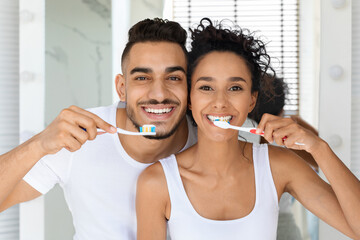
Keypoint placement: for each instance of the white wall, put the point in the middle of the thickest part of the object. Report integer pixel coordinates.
(9, 101)
(335, 94)
(32, 85)
(355, 103)
(78, 54)
(141, 9)
(78, 72)
(309, 64)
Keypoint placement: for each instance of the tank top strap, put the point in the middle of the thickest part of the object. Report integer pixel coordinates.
(173, 180)
(263, 176)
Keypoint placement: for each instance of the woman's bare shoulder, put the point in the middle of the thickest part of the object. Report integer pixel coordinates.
(152, 177)
(282, 156)
(287, 166)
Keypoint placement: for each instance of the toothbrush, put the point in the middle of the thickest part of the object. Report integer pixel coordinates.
(226, 125)
(145, 130)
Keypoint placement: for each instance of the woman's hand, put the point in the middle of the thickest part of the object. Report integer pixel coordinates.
(287, 132)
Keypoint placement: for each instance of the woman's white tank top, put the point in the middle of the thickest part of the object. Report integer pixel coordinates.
(260, 224)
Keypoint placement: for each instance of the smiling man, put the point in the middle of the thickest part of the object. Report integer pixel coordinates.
(154, 85)
(99, 177)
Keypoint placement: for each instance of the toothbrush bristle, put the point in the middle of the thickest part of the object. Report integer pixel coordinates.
(221, 124)
(147, 128)
(221, 120)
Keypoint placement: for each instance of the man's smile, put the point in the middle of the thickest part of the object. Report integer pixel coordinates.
(158, 112)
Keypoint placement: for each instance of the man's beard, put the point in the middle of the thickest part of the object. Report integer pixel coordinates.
(131, 115)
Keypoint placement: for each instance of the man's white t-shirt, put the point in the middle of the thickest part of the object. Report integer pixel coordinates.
(99, 183)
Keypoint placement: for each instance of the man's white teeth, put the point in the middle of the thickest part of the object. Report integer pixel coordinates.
(217, 118)
(158, 111)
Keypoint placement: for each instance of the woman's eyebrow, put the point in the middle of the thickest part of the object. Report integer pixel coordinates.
(207, 79)
(236, 79)
(231, 79)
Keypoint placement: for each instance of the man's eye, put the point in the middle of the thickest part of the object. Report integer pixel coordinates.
(140, 78)
(205, 88)
(174, 78)
(235, 88)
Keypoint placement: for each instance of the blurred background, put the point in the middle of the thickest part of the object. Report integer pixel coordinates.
(57, 53)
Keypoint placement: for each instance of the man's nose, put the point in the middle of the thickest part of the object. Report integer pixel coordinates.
(158, 90)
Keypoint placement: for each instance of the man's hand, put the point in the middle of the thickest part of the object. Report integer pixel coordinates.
(71, 129)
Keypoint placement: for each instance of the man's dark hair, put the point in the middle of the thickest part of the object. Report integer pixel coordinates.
(272, 104)
(155, 30)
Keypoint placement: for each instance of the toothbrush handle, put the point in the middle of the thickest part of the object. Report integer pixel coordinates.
(251, 130)
(122, 131)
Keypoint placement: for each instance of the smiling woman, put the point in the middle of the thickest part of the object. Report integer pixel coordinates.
(223, 188)
(221, 89)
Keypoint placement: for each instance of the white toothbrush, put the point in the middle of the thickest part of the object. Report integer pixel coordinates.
(226, 125)
(145, 130)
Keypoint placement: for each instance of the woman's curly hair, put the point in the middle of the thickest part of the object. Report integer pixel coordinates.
(208, 37)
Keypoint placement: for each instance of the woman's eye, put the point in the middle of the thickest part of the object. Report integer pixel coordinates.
(236, 88)
(205, 88)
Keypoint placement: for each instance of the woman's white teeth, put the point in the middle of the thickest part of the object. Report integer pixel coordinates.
(217, 118)
(158, 111)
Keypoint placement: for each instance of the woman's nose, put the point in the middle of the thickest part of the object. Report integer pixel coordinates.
(220, 100)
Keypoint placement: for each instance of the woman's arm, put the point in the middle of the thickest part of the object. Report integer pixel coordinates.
(152, 204)
(345, 185)
(338, 204)
(308, 188)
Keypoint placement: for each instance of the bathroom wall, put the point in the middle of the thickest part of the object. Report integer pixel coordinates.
(78, 65)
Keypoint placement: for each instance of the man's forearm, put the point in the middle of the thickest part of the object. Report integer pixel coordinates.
(64, 132)
(16, 163)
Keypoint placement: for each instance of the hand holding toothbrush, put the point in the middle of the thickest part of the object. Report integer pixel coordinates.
(66, 131)
(286, 132)
(73, 127)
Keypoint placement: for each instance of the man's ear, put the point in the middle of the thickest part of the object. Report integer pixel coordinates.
(120, 87)
(254, 96)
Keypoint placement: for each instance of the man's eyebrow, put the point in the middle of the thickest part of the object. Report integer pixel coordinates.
(175, 68)
(141, 70)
